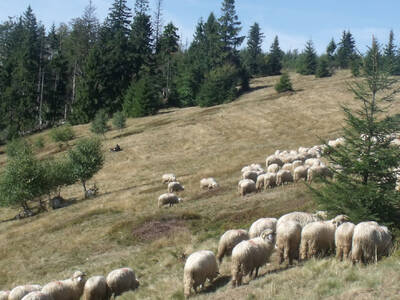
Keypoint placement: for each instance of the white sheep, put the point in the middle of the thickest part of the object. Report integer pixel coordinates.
(312, 162)
(122, 280)
(229, 240)
(318, 171)
(96, 288)
(37, 296)
(250, 175)
(273, 159)
(166, 178)
(303, 150)
(253, 167)
(274, 168)
(318, 238)
(370, 242)
(296, 163)
(69, 289)
(261, 225)
(20, 291)
(287, 167)
(250, 255)
(246, 186)
(343, 240)
(199, 267)
(302, 218)
(4, 295)
(168, 199)
(208, 183)
(288, 235)
(269, 180)
(300, 172)
(175, 186)
(283, 177)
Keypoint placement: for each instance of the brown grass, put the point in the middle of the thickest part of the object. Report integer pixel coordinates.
(124, 227)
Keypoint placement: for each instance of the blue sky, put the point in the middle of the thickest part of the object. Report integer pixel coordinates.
(294, 22)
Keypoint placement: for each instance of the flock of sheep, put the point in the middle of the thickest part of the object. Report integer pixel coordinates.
(95, 288)
(297, 235)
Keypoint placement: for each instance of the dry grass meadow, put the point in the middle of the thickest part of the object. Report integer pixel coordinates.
(123, 226)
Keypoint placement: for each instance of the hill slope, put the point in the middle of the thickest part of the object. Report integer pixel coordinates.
(124, 227)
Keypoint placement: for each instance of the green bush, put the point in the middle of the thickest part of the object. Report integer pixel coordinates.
(39, 142)
(99, 124)
(63, 133)
(18, 146)
(284, 84)
(323, 68)
(119, 120)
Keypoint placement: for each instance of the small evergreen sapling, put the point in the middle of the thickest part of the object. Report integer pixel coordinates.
(284, 84)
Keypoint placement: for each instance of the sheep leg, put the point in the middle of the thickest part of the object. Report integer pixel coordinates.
(339, 253)
(256, 272)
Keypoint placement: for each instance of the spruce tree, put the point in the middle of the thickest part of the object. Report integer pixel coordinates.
(346, 50)
(331, 54)
(274, 59)
(390, 55)
(308, 61)
(284, 84)
(364, 183)
(323, 67)
(254, 42)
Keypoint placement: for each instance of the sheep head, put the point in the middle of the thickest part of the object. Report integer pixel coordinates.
(268, 235)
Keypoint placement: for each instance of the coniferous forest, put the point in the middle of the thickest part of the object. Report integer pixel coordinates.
(134, 64)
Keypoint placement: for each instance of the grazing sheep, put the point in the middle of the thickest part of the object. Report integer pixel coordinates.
(199, 267)
(37, 296)
(69, 289)
(300, 173)
(302, 218)
(370, 242)
(274, 168)
(260, 182)
(296, 163)
(287, 167)
(288, 158)
(20, 291)
(303, 150)
(167, 178)
(269, 180)
(96, 288)
(336, 143)
(283, 177)
(208, 183)
(253, 167)
(312, 162)
(318, 238)
(4, 295)
(175, 186)
(318, 171)
(168, 199)
(246, 186)
(229, 240)
(288, 235)
(343, 240)
(261, 225)
(122, 280)
(251, 254)
(250, 175)
(273, 159)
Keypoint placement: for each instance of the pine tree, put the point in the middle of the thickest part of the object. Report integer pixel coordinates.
(308, 61)
(331, 54)
(254, 42)
(346, 50)
(274, 59)
(323, 67)
(158, 24)
(284, 84)
(364, 184)
(390, 55)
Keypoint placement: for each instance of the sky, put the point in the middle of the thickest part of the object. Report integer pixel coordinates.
(293, 21)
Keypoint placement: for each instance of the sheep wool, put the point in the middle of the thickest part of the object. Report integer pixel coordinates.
(69, 289)
(343, 240)
(37, 296)
(166, 178)
(122, 280)
(168, 199)
(175, 186)
(208, 183)
(96, 288)
(257, 228)
(229, 240)
(4, 295)
(20, 291)
(199, 267)
(288, 235)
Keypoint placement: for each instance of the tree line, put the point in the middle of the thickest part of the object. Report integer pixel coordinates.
(133, 65)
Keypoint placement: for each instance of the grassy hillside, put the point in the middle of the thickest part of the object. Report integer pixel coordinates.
(124, 227)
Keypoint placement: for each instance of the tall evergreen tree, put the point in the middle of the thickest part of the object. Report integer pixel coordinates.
(274, 59)
(308, 61)
(331, 53)
(364, 188)
(254, 41)
(158, 23)
(346, 50)
(390, 55)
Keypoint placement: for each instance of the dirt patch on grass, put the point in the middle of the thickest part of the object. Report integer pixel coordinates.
(154, 230)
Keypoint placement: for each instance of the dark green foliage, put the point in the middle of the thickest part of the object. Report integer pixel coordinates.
(219, 86)
(364, 189)
(284, 84)
(274, 58)
(355, 66)
(346, 50)
(141, 98)
(308, 60)
(254, 52)
(63, 133)
(22, 180)
(86, 159)
(119, 120)
(323, 67)
(390, 56)
(290, 60)
(39, 142)
(58, 173)
(331, 54)
(17, 147)
(99, 123)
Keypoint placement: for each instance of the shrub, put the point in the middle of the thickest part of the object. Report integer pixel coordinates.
(284, 84)
(18, 146)
(323, 68)
(39, 142)
(119, 120)
(63, 133)
(99, 124)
